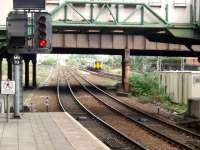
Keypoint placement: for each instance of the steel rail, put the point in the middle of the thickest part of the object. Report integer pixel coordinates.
(140, 146)
(163, 136)
(105, 74)
(142, 112)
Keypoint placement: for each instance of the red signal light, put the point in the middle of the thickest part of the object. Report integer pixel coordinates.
(42, 43)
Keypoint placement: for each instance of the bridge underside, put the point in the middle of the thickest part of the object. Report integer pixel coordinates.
(135, 52)
(93, 51)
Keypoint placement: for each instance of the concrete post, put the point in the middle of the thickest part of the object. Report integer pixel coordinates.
(26, 61)
(9, 72)
(126, 70)
(34, 62)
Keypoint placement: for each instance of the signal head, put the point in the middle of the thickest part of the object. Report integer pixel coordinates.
(42, 31)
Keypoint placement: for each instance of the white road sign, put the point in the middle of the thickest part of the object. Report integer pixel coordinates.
(8, 87)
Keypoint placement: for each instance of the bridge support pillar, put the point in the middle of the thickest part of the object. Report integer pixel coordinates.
(126, 70)
(26, 61)
(10, 69)
(34, 62)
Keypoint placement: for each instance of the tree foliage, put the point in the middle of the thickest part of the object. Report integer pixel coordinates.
(148, 64)
(114, 62)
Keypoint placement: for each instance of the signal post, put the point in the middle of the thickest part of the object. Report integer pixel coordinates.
(29, 31)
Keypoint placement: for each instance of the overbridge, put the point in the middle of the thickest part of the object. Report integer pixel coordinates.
(107, 27)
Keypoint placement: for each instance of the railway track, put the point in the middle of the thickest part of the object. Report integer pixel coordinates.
(171, 133)
(126, 126)
(104, 74)
(110, 136)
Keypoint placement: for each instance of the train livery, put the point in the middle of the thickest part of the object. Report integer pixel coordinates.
(96, 66)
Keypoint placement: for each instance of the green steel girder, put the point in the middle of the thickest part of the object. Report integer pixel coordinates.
(100, 25)
(106, 6)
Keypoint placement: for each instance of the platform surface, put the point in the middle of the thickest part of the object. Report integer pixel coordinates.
(46, 131)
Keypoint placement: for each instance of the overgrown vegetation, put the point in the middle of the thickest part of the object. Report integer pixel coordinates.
(144, 84)
(147, 86)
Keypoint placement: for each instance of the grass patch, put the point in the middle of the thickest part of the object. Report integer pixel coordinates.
(171, 106)
(147, 88)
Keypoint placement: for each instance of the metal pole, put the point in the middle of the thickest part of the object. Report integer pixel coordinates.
(17, 89)
(8, 109)
(4, 105)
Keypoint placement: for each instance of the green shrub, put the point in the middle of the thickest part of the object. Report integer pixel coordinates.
(145, 84)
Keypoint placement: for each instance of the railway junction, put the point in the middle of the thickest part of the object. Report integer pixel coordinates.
(73, 109)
